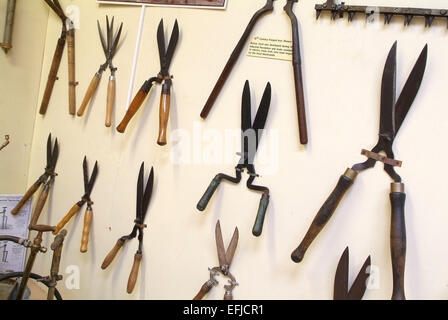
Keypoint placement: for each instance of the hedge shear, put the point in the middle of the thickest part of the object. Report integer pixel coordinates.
(391, 118)
(225, 258)
(250, 137)
(143, 197)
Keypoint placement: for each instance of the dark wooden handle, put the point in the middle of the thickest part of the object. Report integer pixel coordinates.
(89, 94)
(25, 198)
(206, 287)
(111, 255)
(74, 210)
(71, 72)
(86, 230)
(259, 221)
(40, 204)
(202, 204)
(134, 272)
(133, 108)
(164, 114)
(398, 243)
(322, 217)
(110, 101)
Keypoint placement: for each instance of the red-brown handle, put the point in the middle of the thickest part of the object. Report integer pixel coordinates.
(134, 272)
(86, 230)
(74, 210)
(164, 113)
(26, 197)
(111, 255)
(89, 94)
(206, 287)
(110, 101)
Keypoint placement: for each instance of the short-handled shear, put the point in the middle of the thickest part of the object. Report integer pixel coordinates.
(88, 187)
(110, 49)
(225, 258)
(46, 179)
(143, 197)
(250, 137)
(392, 116)
(164, 77)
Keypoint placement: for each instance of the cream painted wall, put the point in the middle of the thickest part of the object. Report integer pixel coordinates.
(342, 68)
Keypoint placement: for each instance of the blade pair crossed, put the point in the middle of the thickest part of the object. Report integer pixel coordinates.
(225, 257)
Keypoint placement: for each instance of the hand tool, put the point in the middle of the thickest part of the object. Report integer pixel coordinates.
(163, 77)
(9, 22)
(88, 187)
(225, 258)
(391, 118)
(250, 137)
(5, 143)
(359, 286)
(110, 49)
(143, 198)
(67, 35)
(46, 179)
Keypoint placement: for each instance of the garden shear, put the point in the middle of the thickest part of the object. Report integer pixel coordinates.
(391, 118)
(250, 137)
(143, 197)
(225, 258)
(110, 49)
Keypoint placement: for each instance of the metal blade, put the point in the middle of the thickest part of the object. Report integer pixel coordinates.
(116, 40)
(85, 172)
(171, 46)
(92, 179)
(360, 284)
(148, 193)
(103, 41)
(49, 152)
(232, 247)
(410, 89)
(262, 113)
(341, 277)
(220, 245)
(140, 193)
(246, 114)
(54, 155)
(109, 32)
(161, 44)
(388, 89)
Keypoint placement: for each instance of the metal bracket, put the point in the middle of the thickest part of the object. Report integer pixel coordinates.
(381, 158)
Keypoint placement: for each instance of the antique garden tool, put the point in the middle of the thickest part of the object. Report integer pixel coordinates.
(250, 137)
(88, 187)
(47, 179)
(143, 197)
(164, 77)
(9, 22)
(109, 44)
(359, 286)
(67, 35)
(225, 258)
(391, 118)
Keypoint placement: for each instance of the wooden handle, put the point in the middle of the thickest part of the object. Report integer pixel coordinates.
(74, 210)
(110, 101)
(228, 296)
(71, 72)
(133, 108)
(206, 287)
(164, 113)
(111, 255)
(89, 94)
(134, 272)
(40, 204)
(86, 230)
(25, 198)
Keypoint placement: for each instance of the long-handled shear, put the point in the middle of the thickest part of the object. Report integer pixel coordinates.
(250, 137)
(392, 116)
(110, 49)
(359, 286)
(164, 77)
(143, 197)
(225, 258)
(88, 187)
(46, 179)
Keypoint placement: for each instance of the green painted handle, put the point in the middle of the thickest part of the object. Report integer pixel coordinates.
(258, 226)
(202, 204)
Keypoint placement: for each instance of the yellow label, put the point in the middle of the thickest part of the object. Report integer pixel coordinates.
(270, 48)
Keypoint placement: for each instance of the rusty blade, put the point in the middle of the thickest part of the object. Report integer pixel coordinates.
(388, 89)
(341, 277)
(232, 247)
(220, 245)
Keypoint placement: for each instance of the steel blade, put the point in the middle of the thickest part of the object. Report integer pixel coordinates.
(246, 114)
(103, 41)
(220, 245)
(92, 178)
(262, 113)
(171, 46)
(108, 33)
(85, 172)
(161, 45)
(232, 247)
(360, 284)
(148, 193)
(49, 152)
(388, 90)
(140, 193)
(341, 277)
(116, 40)
(54, 155)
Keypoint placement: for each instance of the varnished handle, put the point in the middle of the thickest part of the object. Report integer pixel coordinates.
(259, 221)
(206, 287)
(110, 101)
(111, 255)
(25, 198)
(74, 210)
(324, 214)
(202, 204)
(164, 113)
(86, 230)
(40, 204)
(89, 94)
(134, 272)
(71, 72)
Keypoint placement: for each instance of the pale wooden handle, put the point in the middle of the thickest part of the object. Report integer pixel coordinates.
(25, 198)
(74, 210)
(111, 255)
(89, 94)
(110, 101)
(164, 116)
(134, 272)
(133, 108)
(86, 230)
(71, 72)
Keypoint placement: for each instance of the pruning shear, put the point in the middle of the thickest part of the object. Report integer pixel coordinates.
(250, 137)
(164, 77)
(359, 286)
(88, 187)
(110, 49)
(46, 179)
(391, 118)
(225, 258)
(143, 197)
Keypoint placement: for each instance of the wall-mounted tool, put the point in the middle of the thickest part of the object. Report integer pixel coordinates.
(164, 77)
(393, 113)
(143, 197)
(250, 138)
(338, 10)
(110, 45)
(6, 45)
(5, 143)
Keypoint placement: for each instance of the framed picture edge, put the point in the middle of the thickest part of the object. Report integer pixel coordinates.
(224, 7)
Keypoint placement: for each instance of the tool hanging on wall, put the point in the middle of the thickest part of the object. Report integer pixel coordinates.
(67, 35)
(88, 187)
(143, 197)
(250, 138)
(5, 143)
(6, 45)
(46, 179)
(338, 10)
(110, 48)
(225, 258)
(269, 7)
(391, 118)
(164, 77)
